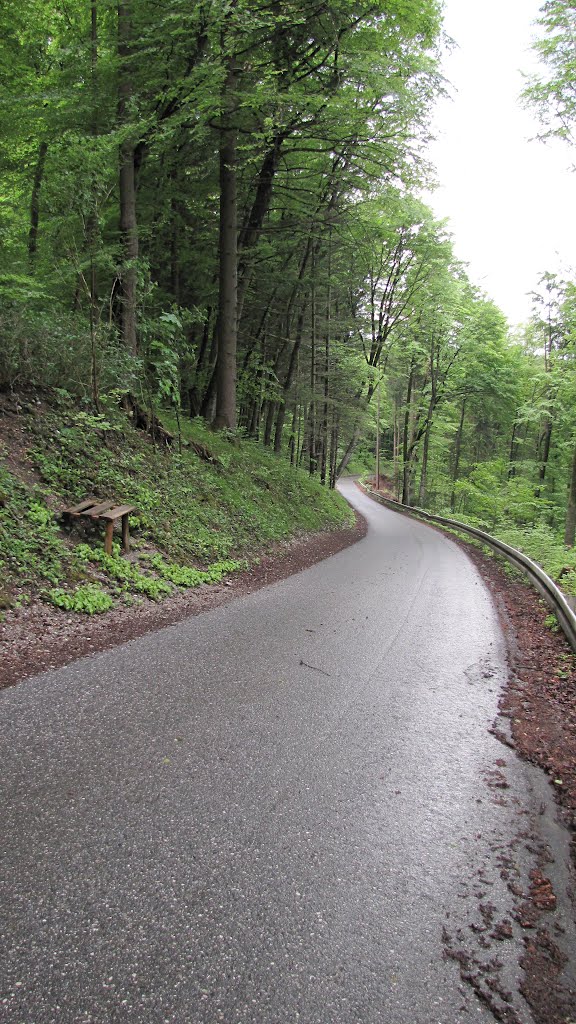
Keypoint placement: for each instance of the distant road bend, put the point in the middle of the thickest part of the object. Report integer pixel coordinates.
(273, 812)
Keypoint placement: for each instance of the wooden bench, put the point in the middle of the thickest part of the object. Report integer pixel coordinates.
(109, 512)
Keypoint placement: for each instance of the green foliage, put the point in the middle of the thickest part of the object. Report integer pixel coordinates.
(188, 507)
(551, 92)
(196, 521)
(543, 545)
(87, 599)
(31, 549)
(183, 576)
(126, 575)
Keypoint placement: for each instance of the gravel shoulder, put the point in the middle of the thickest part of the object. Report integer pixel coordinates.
(537, 719)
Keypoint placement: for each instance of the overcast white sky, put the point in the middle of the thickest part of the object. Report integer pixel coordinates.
(510, 201)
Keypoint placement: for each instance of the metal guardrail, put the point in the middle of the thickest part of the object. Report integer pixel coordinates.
(545, 586)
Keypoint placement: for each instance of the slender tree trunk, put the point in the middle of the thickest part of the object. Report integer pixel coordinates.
(205, 338)
(312, 427)
(128, 218)
(35, 203)
(545, 442)
(513, 451)
(279, 428)
(269, 424)
(92, 225)
(334, 451)
(457, 453)
(356, 434)
(228, 282)
(175, 258)
(378, 436)
(349, 450)
(300, 437)
(293, 361)
(252, 227)
(570, 528)
(407, 482)
(288, 380)
(209, 396)
(254, 425)
(324, 460)
(406, 464)
(193, 391)
(396, 454)
(422, 490)
(325, 438)
(292, 439)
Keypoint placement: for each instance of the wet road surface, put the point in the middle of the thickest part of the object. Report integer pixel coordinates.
(270, 813)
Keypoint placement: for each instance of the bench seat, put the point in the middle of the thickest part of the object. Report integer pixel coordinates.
(109, 512)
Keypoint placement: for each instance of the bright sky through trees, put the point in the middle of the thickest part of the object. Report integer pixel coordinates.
(510, 200)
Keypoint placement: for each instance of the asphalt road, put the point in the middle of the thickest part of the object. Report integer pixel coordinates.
(278, 811)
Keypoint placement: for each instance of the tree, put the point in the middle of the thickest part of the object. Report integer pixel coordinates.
(127, 183)
(552, 94)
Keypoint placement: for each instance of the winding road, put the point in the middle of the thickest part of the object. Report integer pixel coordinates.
(283, 810)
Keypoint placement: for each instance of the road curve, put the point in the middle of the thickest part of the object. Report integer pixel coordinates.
(273, 812)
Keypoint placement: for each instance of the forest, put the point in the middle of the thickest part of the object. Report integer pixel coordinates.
(216, 209)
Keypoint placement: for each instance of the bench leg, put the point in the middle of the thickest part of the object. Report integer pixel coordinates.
(108, 537)
(125, 534)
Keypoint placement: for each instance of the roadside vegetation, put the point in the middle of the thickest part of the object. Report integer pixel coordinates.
(204, 509)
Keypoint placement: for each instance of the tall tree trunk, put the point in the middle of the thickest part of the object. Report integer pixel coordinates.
(293, 361)
(175, 284)
(324, 460)
(254, 425)
(325, 438)
(406, 462)
(334, 451)
(422, 489)
(92, 221)
(128, 218)
(269, 422)
(457, 453)
(35, 203)
(209, 396)
(570, 528)
(225, 417)
(545, 442)
(194, 398)
(407, 470)
(356, 431)
(513, 451)
(312, 427)
(301, 439)
(349, 450)
(206, 333)
(396, 454)
(252, 226)
(288, 380)
(292, 438)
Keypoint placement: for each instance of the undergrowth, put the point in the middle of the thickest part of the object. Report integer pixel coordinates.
(201, 513)
(540, 543)
(31, 546)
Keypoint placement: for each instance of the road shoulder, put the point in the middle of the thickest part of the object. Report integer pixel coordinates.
(39, 637)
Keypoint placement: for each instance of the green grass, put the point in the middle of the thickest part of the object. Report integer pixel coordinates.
(195, 521)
